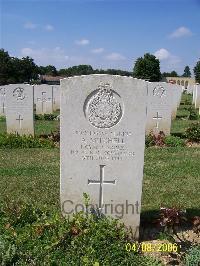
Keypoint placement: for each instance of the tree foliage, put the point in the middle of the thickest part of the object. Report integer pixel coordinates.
(197, 71)
(170, 74)
(15, 70)
(147, 67)
(48, 70)
(187, 72)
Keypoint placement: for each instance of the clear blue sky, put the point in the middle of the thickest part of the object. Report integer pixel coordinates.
(105, 34)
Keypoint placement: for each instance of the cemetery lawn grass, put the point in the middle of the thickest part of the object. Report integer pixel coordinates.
(179, 126)
(171, 177)
(41, 126)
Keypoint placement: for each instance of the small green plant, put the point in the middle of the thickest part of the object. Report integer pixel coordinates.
(187, 101)
(17, 141)
(193, 132)
(48, 117)
(32, 236)
(2, 118)
(169, 218)
(193, 115)
(155, 140)
(149, 141)
(192, 257)
(172, 141)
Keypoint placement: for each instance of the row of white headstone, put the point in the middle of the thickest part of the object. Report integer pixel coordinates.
(17, 104)
(17, 100)
(45, 97)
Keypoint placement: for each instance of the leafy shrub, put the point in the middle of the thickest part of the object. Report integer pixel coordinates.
(183, 113)
(172, 141)
(196, 224)
(187, 101)
(149, 141)
(193, 114)
(193, 132)
(169, 218)
(8, 252)
(155, 140)
(49, 239)
(54, 136)
(49, 117)
(192, 257)
(17, 141)
(2, 118)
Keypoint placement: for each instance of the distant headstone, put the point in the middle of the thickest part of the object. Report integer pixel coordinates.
(19, 109)
(56, 97)
(190, 89)
(158, 108)
(43, 98)
(197, 96)
(194, 94)
(102, 145)
(3, 100)
(176, 98)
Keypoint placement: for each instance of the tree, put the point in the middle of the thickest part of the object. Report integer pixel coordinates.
(197, 71)
(187, 72)
(148, 68)
(5, 67)
(170, 74)
(48, 70)
(15, 70)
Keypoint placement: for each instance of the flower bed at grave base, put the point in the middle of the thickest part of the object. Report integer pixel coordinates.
(17, 141)
(33, 236)
(191, 138)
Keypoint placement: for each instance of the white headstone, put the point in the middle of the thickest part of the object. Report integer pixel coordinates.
(102, 145)
(3, 100)
(158, 108)
(43, 98)
(194, 94)
(197, 96)
(56, 97)
(176, 98)
(19, 109)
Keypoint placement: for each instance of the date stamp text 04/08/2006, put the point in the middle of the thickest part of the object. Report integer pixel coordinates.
(152, 247)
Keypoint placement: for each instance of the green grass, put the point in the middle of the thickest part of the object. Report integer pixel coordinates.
(180, 126)
(46, 127)
(31, 175)
(41, 126)
(171, 177)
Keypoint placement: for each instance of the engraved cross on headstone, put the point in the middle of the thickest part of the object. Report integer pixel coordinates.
(42, 100)
(157, 117)
(20, 119)
(101, 182)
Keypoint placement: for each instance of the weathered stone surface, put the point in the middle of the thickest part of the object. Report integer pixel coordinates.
(56, 97)
(102, 145)
(176, 98)
(43, 98)
(158, 108)
(3, 100)
(19, 109)
(197, 96)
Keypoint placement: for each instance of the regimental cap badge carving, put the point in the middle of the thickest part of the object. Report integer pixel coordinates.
(103, 107)
(18, 93)
(159, 91)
